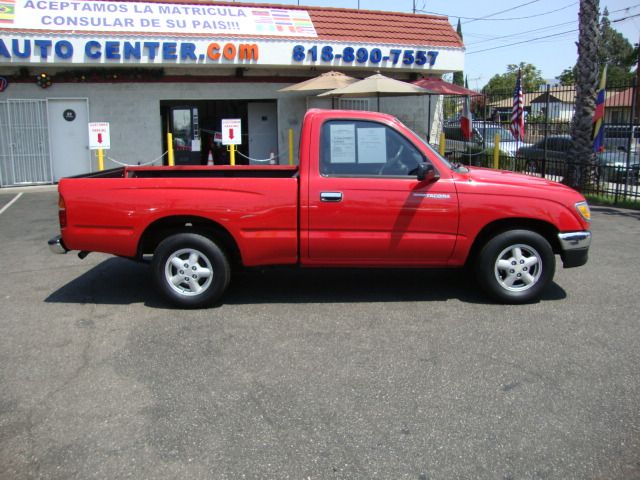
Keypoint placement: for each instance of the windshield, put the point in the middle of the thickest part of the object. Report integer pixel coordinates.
(490, 132)
(435, 152)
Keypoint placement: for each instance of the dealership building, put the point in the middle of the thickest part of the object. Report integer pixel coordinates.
(149, 68)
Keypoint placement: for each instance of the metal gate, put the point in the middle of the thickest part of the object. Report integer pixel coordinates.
(24, 143)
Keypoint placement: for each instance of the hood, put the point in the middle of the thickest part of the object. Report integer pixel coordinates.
(498, 194)
(492, 177)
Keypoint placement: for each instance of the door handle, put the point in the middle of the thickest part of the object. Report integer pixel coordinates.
(331, 196)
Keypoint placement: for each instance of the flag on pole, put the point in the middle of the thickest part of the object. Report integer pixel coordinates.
(465, 118)
(598, 115)
(517, 113)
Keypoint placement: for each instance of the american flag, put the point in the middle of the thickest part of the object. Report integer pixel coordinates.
(517, 113)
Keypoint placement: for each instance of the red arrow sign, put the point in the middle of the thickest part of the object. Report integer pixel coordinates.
(231, 133)
(99, 138)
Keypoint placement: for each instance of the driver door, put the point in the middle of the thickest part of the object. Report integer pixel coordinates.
(366, 208)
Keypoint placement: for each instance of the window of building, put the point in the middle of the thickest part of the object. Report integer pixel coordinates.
(353, 103)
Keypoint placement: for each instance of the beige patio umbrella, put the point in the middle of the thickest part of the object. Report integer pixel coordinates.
(376, 86)
(326, 81)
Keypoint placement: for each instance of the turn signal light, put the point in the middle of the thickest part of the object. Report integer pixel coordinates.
(62, 212)
(583, 210)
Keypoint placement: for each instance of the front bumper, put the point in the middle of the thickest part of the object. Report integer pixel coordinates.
(56, 245)
(574, 248)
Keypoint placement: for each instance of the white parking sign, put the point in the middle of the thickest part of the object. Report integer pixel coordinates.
(99, 137)
(231, 131)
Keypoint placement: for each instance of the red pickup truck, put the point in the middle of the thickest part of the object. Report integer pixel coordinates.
(368, 192)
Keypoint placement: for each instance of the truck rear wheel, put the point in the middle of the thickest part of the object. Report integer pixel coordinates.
(515, 266)
(190, 270)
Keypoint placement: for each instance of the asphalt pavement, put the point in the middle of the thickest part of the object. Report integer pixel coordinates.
(329, 374)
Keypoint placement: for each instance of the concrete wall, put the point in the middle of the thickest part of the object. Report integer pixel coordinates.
(133, 110)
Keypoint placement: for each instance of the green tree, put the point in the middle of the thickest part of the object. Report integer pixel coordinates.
(567, 77)
(613, 50)
(458, 77)
(531, 79)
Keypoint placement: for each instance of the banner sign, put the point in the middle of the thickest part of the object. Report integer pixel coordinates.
(242, 52)
(129, 17)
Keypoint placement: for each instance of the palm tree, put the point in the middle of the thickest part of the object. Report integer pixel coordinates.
(581, 165)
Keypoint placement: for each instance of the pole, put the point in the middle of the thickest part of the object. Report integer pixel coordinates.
(636, 110)
(442, 144)
(546, 131)
(496, 151)
(232, 154)
(100, 159)
(291, 146)
(429, 124)
(170, 158)
(634, 106)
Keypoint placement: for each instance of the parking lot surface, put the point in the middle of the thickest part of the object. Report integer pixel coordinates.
(329, 374)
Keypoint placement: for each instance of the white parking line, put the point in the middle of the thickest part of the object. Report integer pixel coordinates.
(6, 207)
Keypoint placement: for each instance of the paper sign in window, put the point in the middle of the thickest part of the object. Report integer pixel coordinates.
(343, 143)
(372, 145)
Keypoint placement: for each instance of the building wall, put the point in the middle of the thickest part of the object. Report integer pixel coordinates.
(133, 110)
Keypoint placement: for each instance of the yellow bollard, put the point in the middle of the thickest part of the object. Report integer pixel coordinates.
(100, 159)
(170, 149)
(291, 146)
(232, 154)
(496, 151)
(442, 142)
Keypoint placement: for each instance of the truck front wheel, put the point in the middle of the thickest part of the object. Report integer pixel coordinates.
(190, 270)
(515, 266)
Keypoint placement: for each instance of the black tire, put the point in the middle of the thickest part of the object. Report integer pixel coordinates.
(190, 270)
(515, 266)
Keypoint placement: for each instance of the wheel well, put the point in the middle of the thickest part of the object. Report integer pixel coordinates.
(545, 229)
(161, 229)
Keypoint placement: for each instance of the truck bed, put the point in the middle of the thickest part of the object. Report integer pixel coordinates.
(111, 210)
(226, 171)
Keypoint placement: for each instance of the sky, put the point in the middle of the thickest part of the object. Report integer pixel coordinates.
(541, 32)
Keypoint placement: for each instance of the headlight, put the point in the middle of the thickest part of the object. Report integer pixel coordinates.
(583, 210)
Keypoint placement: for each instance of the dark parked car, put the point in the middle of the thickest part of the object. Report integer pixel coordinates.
(618, 136)
(612, 164)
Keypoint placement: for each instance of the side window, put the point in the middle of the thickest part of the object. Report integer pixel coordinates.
(365, 149)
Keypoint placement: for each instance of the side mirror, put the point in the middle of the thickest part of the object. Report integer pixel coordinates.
(426, 172)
